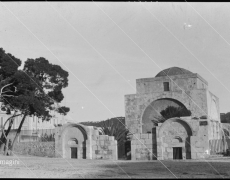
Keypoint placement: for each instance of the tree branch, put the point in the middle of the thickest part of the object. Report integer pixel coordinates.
(5, 87)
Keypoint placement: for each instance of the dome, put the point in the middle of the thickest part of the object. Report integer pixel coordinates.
(173, 71)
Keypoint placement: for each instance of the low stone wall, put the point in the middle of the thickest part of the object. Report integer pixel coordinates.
(42, 149)
(104, 147)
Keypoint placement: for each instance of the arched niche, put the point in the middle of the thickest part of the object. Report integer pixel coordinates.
(167, 123)
(152, 111)
(74, 136)
(73, 142)
(175, 133)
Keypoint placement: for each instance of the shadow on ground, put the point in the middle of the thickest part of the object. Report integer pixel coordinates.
(163, 169)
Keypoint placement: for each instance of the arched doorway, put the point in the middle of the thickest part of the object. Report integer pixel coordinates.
(74, 142)
(175, 136)
(153, 111)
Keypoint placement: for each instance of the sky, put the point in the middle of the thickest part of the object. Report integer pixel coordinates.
(106, 46)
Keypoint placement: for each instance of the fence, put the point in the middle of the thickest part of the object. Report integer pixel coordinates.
(41, 135)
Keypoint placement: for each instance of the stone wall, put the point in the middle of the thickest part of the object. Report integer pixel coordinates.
(135, 105)
(186, 133)
(142, 147)
(185, 82)
(104, 147)
(43, 149)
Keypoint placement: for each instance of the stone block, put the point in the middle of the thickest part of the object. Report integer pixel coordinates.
(199, 150)
(133, 142)
(159, 153)
(107, 143)
(111, 138)
(109, 152)
(144, 136)
(141, 141)
(105, 152)
(200, 155)
(137, 150)
(184, 155)
(148, 141)
(133, 155)
(138, 156)
(103, 137)
(160, 158)
(99, 157)
(133, 147)
(170, 155)
(136, 136)
(193, 156)
(149, 146)
(94, 147)
(169, 149)
(95, 137)
(159, 139)
(93, 142)
(102, 143)
(159, 143)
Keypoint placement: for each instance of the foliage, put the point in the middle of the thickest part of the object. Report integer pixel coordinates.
(99, 123)
(112, 127)
(116, 129)
(171, 112)
(39, 86)
(47, 138)
(8, 67)
(34, 90)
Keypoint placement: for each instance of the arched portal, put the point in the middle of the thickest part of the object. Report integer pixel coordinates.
(74, 139)
(153, 110)
(175, 136)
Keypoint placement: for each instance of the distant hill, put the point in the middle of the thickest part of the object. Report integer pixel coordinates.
(98, 123)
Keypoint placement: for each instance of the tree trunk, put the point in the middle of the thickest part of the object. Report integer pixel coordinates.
(6, 147)
(3, 137)
(18, 131)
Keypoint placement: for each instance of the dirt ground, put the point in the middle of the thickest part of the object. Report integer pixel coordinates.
(41, 167)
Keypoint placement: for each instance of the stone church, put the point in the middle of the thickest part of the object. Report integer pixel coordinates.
(198, 136)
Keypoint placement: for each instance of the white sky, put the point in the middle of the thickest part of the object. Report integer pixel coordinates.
(124, 45)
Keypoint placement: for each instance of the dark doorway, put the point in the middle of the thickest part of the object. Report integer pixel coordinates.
(84, 153)
(74, 152)
(177, 153)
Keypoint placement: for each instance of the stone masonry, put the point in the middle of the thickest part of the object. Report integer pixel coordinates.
(194, 137)
(86, 141)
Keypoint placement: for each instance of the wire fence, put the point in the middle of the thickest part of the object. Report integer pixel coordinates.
(41, 135)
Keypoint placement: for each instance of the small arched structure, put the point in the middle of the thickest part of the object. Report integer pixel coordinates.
(83, 142)
(73, 137)
(175, 136)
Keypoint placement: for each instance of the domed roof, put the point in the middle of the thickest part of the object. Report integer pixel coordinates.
(173, 71)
